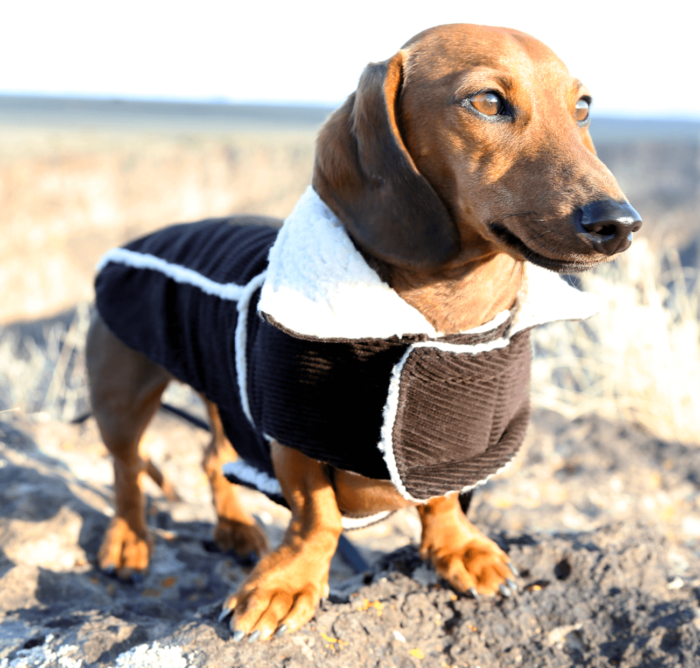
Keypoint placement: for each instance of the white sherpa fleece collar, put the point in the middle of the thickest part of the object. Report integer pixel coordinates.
(319, 285)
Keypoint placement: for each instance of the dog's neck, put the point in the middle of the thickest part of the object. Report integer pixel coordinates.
(459, 298)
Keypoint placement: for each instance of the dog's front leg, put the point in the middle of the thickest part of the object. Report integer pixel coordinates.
(461, 554)
(282, 592)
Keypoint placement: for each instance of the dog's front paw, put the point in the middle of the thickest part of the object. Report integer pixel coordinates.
(479, 566)
(460, 553)
(279, 596)
(124, 551)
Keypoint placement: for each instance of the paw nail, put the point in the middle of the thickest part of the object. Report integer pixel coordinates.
(225, 614)
(238, 636)
(281, 631)
(254, 636)
(514, 570)
(512, 585)
(109, 570)
(504, 590)
(474, 593)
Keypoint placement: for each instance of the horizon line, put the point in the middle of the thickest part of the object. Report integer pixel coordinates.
(221, 101)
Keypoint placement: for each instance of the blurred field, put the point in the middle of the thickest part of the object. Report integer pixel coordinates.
(71, 190)
(639, 358)
(66, 197)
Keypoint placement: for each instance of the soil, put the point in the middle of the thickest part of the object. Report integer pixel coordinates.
(601, 519)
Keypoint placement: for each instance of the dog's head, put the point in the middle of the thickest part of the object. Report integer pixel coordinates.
(471, 141)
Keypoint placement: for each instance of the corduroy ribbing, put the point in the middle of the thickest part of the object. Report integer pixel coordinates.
(469, 412)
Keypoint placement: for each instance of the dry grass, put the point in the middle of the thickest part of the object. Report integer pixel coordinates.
(47, 379)
(639, 358)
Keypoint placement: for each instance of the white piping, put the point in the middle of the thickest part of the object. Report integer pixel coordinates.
(259, 479)
(470, 349)
(469, 488)
(241, 470)
(386, 441)
(179, 274)
(241, 343)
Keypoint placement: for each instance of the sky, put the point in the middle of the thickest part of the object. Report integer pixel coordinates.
(637, 58)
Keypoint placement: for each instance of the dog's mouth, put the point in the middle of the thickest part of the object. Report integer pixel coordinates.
(560, 266)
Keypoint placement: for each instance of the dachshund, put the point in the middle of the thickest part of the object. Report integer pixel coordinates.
(339, 359)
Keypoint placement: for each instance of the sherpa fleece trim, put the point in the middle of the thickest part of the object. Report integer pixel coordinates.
(545, 297)
(318, 285)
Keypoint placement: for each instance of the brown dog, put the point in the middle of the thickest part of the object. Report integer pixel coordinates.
(464, 155)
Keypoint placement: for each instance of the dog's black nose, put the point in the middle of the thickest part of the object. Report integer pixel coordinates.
(609, 225)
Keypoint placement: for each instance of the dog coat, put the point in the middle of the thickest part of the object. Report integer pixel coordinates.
(296, 338)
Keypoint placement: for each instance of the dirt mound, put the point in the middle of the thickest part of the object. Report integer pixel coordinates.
(600, 519)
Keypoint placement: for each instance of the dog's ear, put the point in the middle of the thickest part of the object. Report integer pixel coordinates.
(365, 174)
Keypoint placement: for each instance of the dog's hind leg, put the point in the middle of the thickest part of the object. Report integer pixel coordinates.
(236, 528)
(125, 390)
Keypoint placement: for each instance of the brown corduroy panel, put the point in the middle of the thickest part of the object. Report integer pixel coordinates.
(461, 417)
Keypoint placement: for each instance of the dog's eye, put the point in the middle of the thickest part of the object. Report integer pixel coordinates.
(487, 103)
(583, 107)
